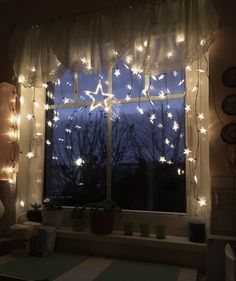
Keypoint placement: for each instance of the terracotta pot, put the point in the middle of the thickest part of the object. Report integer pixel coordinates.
(101, 222)
(34, 215)
(52, 217)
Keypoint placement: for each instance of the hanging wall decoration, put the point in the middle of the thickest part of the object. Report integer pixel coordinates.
(229, 77)
(229, 105)
(228, 133)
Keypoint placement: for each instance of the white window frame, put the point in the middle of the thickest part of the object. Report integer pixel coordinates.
(30, 175)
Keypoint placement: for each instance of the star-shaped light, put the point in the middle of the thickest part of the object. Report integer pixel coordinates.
(117, 72)
(187, 107)
(180, 38)
(56, 118)
(48, 142)
(66, 100)
(128, 59)
(187, 151)
(162, 159)
(191, 159)
(161, 77)
(46, 106)
(127, 98)
(175, 73)
(152, 118)
(169, 54)
(91, 94)
(202, 130)
(200, 116)
(167, 141)
(30, 154)
(68, 131)
(145, 90)
(170, 115)
(49, 124)
(10, 169)
(175, 126)
(162, 94)
(202, 202)
(29, 116)
(83, 60)
(194, 89)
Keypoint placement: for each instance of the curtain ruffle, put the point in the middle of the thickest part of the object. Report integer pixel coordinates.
(153, 38)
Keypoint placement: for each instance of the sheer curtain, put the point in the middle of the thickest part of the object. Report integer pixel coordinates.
(153, 37)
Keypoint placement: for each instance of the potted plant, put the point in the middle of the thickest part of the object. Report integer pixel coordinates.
(52, 212)
(35, 214)
(77, 215)
(101, 216)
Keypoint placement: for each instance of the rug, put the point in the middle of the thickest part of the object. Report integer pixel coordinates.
(75, 267)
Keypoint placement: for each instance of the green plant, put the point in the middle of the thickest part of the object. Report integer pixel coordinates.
(36, 206)
(104, 206)
(52, 204)
(78, 212)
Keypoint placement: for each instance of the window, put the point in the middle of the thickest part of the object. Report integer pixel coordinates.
(118, 135)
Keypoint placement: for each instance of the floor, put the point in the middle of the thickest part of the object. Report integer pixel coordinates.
(68, 267)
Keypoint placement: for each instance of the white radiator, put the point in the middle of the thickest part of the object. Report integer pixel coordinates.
(230, 263)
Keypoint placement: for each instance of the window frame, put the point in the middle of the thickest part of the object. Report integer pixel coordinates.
(29, 172)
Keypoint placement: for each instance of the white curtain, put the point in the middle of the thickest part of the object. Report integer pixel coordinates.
(153, 37)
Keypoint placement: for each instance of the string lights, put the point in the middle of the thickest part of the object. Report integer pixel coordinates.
(188, 152)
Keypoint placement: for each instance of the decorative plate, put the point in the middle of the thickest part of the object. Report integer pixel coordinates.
(229, 77)
(229, 105)
(228, 133)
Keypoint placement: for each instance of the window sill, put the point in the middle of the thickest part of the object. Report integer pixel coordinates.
(117, 237)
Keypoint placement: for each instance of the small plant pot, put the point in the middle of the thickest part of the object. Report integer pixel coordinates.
(144, 229)
(101, 222)
(128, 228)
(78, 225)
(34, 215)
(52, 217)
(160, 231)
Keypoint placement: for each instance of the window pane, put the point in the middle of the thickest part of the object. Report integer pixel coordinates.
(62, 91)
(168, 83)
(89, 88)
(76, 155)
(147, 153)
(125, 82)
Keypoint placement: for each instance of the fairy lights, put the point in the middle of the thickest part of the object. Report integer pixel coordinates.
(161, 94)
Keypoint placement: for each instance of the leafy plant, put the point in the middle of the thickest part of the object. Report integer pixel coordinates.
(104, 206)
(36, 206)
(78, 212)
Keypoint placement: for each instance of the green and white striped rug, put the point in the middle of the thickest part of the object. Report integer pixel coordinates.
(75, 267)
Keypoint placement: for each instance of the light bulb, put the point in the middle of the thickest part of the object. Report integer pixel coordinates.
(79, 162)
